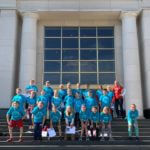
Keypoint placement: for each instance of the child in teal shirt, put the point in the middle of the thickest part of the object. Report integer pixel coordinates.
(132, 121)
(55, 119)
(31, 101)
(78, 102)
(15, 116)
(69, 120)
(56, 101)
(94, 118)
(84, 117)
(20, 98)
(106, 118)
(39, 119)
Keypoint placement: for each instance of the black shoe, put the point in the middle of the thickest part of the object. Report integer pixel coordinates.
(137, 139)
(129, 138)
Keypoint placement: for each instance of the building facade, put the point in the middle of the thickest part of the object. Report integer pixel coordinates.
(86, 41)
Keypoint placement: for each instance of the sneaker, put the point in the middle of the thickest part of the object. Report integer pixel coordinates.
(10, 140)
(20, 140)
(111, 139)
(102, 139)
(80, 139)
(87, 139)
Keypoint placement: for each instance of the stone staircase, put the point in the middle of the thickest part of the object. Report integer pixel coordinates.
(119, 134)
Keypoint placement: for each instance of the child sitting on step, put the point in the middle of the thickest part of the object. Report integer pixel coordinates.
(55, 120)
(106, 118)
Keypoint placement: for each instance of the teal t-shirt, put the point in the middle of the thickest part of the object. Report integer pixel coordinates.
(31, 87)
(77, 104)
(105, 101)
(43, 99)
(31, 101)
(84, 116)
(105, 118)
(110, 94)
(99, 93)
(90, 102)
(38, 114)
(69, 101)
(55, 117)
(48, 91)
(21, 99)
(132, 115)
(56, 101)
(16, 113)
(94, 117)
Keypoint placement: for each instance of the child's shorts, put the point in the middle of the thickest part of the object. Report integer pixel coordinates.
(14, 123)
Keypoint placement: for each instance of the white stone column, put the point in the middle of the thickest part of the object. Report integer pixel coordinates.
(8, 44)
(145, 38)
(28, 49)
(131, 61)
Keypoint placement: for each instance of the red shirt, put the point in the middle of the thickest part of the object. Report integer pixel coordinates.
(117, 91)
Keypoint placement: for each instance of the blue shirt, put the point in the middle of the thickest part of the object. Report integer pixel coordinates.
(99, 93)
(69, 101)
(77, 104)
(39, 114)
(94, 117)
(110, 94)
(31, 101)
(62, 93)
(85, 93)
(105, 118)
(84, 116)
(43, 99)
(31, 88)
(48, 91)
(21, 99)
(16, 113)
(55, 117)
(56, 101)
(105, 101)
(90, 102)
(78, 91)
(132, 115)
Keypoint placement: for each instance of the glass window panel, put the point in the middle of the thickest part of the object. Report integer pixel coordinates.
(88, 78)
(70, 66)
(106, 78)
(70, 32)
(88, 32)
(52, 43)
(70, 54)
(52, 55)
(52, 31)
(107, 66)
(70, 77)
(105, 31)
(54, 78)
(70, 43)
(106, 55)
(88, 42)
(52, 66)
(88, 54)
(106, 42)
(88, 66)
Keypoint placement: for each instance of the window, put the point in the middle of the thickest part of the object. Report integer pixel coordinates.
(79, 54)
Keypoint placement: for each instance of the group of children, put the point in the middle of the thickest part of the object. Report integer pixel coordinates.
(77, 108)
